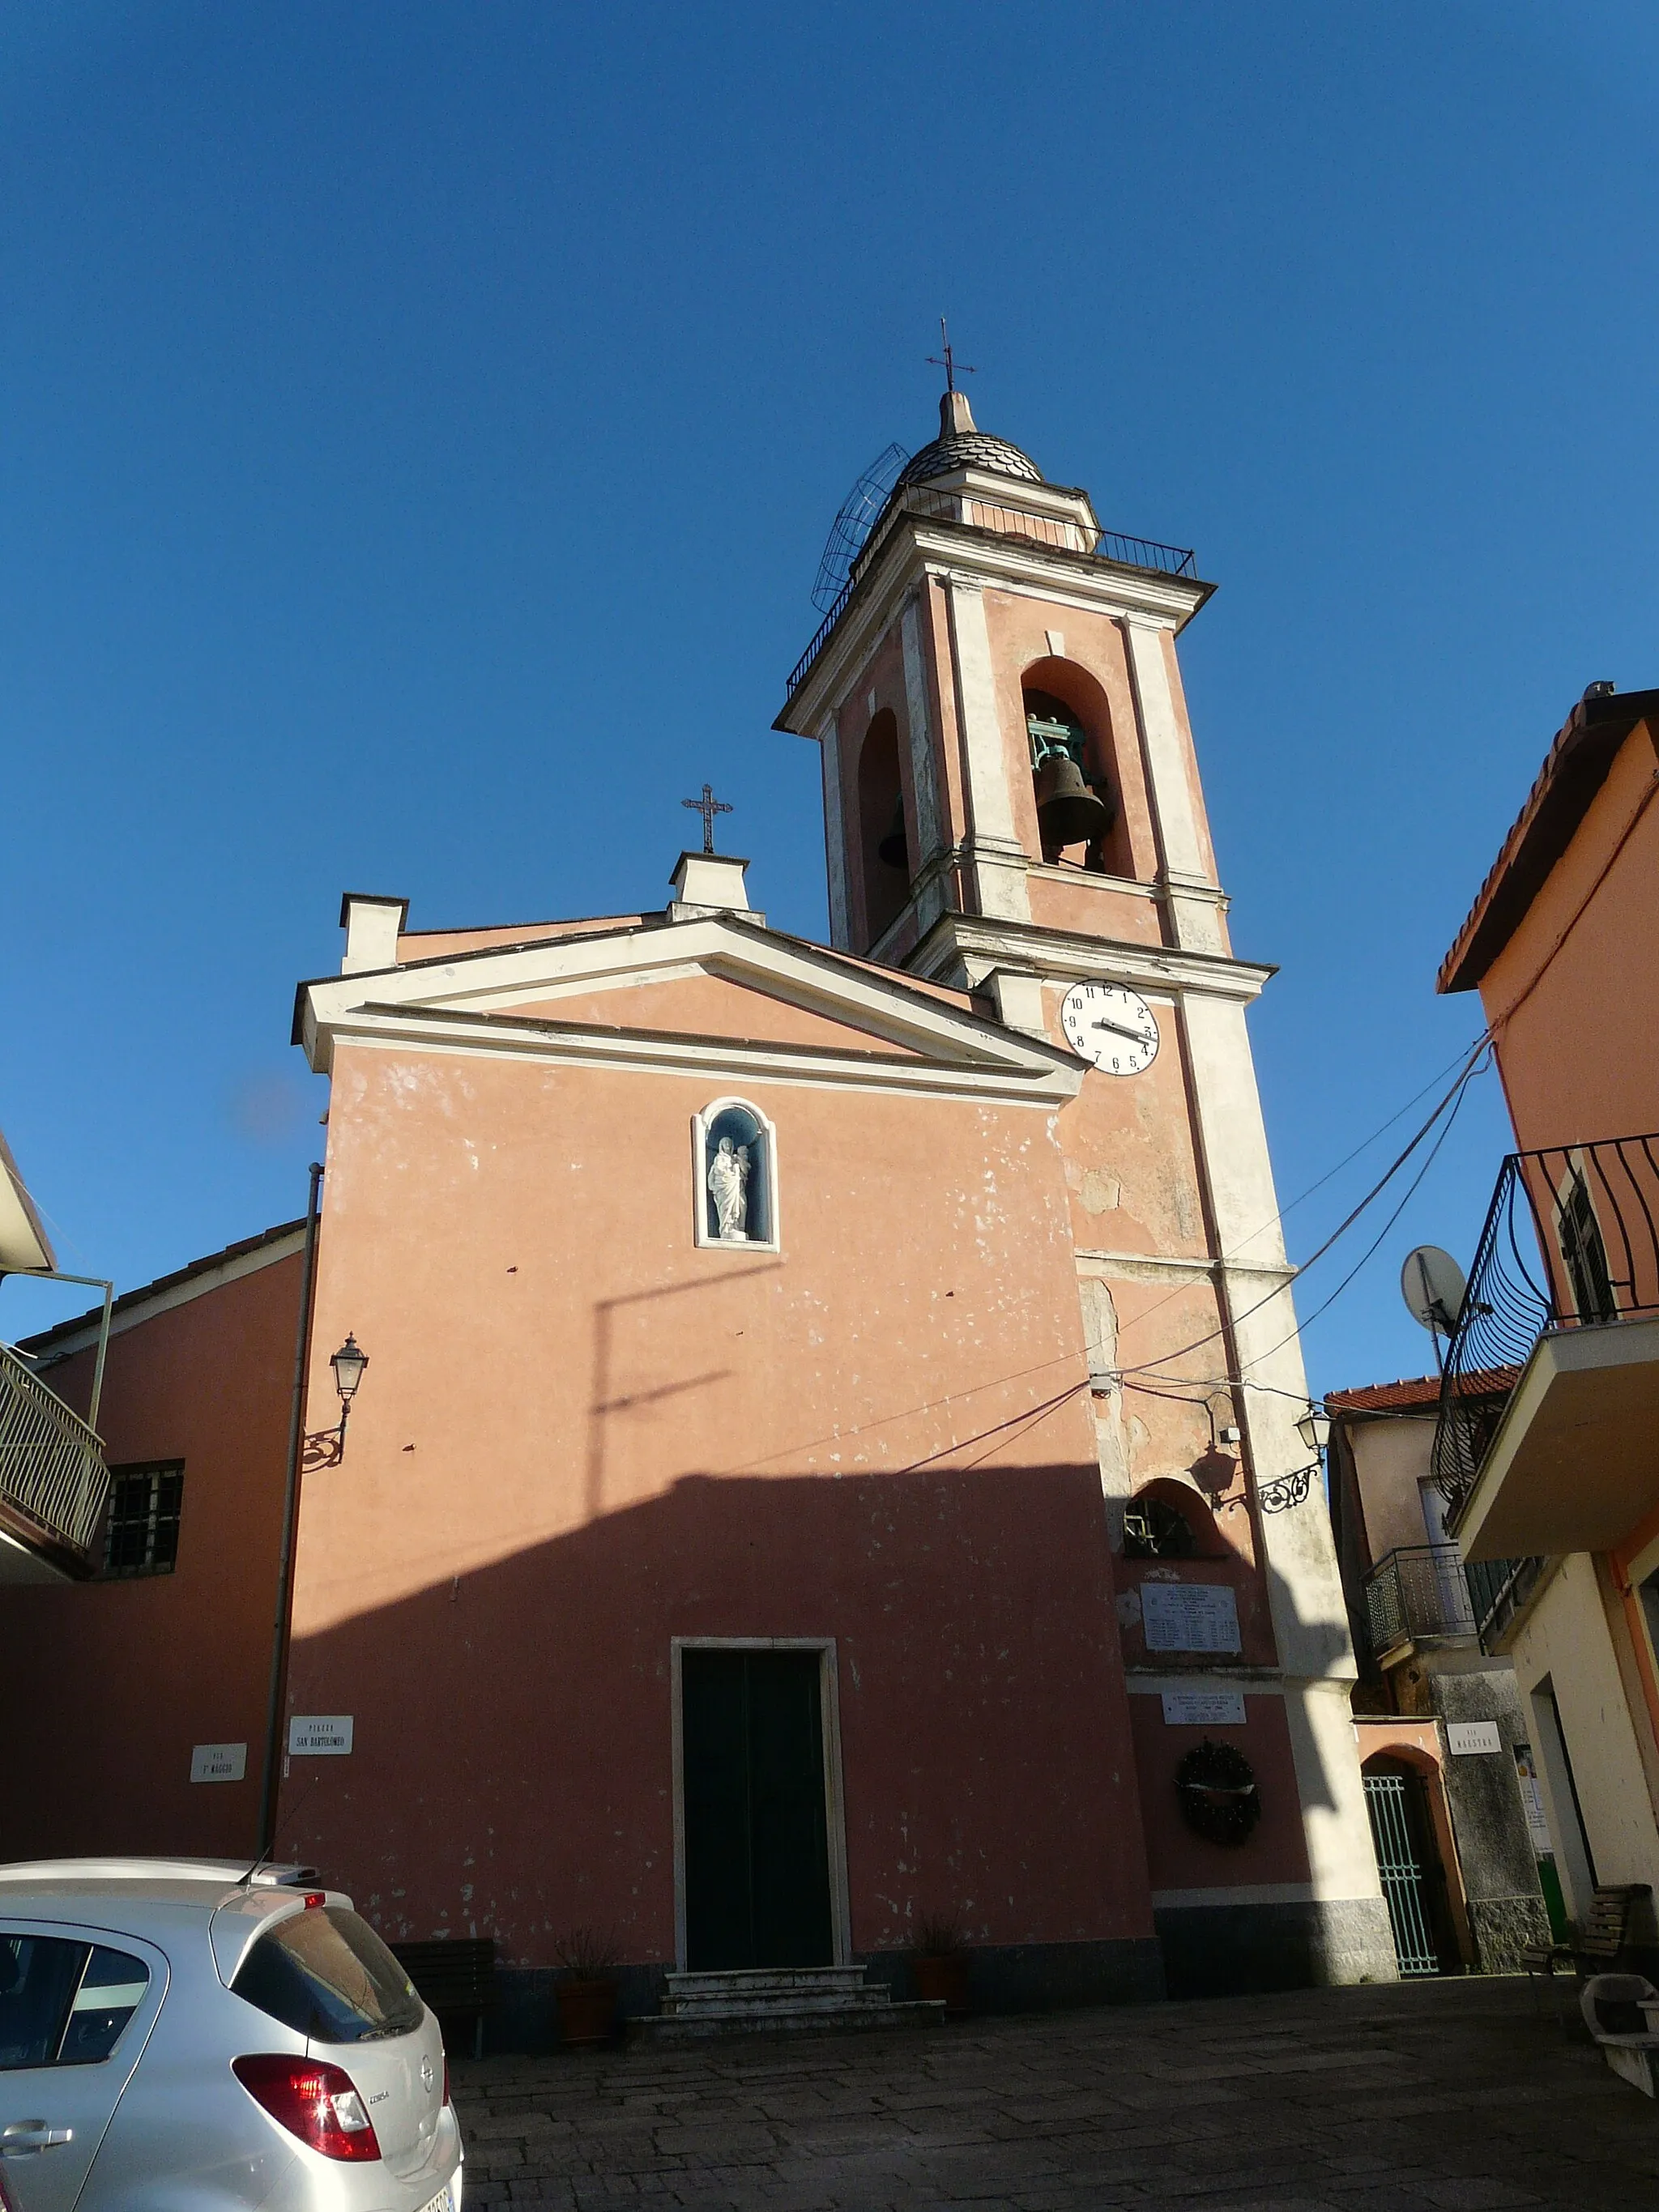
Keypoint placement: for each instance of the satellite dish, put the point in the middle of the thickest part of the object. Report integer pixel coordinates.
(1431, 1283)
(853, 524)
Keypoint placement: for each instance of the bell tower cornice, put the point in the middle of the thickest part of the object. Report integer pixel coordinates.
(926, 535)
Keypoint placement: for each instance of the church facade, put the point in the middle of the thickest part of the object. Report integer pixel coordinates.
(827, 1462)
(858, 1382)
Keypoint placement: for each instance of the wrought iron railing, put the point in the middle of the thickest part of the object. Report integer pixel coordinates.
(1006, 519)
(1570, 1242)
(1417, 1591)
(52, 1474)
(1499, 1589)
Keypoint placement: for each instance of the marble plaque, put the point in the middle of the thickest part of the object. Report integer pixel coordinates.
(1189, 1617)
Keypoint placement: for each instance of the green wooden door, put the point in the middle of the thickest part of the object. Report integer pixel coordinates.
(756, 1838)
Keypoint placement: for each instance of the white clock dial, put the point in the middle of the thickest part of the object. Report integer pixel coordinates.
(1113, 1028)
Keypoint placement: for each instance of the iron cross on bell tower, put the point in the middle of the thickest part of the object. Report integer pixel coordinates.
(947, 359)
(708, 806)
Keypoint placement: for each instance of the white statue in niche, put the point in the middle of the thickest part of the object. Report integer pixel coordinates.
(728, 1186)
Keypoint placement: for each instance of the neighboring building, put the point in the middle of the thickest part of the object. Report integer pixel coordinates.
(153, 1680)
(811, 1475)
(1444, 1748)
(52, 1477)
(1554, 1481)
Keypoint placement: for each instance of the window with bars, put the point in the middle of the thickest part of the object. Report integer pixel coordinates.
(141, 1535)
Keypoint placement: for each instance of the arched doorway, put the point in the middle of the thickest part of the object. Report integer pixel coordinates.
(1410, 1868)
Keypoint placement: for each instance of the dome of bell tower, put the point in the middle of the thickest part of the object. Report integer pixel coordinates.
(961, 445)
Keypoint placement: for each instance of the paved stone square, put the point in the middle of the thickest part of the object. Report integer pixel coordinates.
(1458, 2096)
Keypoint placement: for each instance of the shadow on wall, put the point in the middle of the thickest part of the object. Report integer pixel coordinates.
(512, 1765)
(513, 1771)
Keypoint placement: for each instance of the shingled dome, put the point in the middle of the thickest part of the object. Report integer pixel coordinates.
(960, 446)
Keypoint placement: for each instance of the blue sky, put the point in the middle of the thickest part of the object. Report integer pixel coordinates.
(419, 426)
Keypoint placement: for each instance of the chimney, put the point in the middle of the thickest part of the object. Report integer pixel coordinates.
(372, 926)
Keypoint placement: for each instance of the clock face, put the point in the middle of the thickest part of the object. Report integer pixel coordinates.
(1113, 1028)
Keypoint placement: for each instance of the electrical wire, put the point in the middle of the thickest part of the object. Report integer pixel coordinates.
(1235, 1257)
(1127, 1379)
(1472, 1066)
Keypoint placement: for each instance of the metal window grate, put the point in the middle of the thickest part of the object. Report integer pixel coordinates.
(1401, 1875)
(145, 1506)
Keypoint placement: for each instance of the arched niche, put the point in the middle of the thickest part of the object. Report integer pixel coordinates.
(734, 1176)
(1065, 709)
(886, 876)
(1166, 1519)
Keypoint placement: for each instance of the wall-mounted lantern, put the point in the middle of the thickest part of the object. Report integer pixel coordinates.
(348, 1363)
(1315, 1427)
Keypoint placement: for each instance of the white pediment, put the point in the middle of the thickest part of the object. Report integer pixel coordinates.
(867, 1027)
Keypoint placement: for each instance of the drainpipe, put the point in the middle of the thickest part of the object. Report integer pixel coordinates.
(267, 1836)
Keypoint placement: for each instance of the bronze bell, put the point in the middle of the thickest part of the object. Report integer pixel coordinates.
(895, 847)
(1068, 812)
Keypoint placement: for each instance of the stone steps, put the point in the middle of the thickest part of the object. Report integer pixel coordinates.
(777, 2001)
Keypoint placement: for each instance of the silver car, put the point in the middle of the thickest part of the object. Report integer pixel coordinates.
(175, 2033)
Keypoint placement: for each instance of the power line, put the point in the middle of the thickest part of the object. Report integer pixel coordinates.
(1451, 1099)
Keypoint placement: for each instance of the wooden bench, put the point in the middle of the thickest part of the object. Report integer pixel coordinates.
(1599, 1943)
(456, 1976)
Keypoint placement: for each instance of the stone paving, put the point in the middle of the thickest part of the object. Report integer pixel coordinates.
(1461, 2096)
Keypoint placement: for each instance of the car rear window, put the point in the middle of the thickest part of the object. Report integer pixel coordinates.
(326, 1974)
(63, 2004)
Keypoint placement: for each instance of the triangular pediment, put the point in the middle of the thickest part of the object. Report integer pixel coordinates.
(712, 993)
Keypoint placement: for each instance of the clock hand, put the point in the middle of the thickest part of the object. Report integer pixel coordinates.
(1136, 1036)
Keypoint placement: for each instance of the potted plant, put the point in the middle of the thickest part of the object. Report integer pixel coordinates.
(586, 1994)
(941, 1963)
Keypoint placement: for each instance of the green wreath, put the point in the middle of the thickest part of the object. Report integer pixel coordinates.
(1216, 1785)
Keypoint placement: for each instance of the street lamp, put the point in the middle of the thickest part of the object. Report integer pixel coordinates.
(348, 1363)
(1315, 1427)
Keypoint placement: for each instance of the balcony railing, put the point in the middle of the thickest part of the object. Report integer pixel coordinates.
(1006, 520)
(53, 1481)
(1417, 1591)
(1570, 1242)
(1499, 1589)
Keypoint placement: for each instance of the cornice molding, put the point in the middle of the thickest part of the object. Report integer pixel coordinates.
(496, 1037)
(469, 1005)
(980, 947)
(923, 546)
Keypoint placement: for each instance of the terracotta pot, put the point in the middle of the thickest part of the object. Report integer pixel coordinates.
(943, 1975)
(588, 2011)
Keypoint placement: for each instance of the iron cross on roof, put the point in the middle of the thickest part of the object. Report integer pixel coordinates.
(708, 806)
(947, 360)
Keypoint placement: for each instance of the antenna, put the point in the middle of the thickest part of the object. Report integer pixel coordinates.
(1431, 1283)
(859, 513)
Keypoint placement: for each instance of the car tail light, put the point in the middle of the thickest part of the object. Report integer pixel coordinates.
(316, 2102)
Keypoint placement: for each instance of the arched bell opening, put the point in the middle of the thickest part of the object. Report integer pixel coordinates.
(1074, 779)
(884, 843)
(1166, 1520)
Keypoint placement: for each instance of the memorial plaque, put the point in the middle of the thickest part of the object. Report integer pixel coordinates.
(218, 1762)
(1204, 1708)
(319, 1735)
(1466, 1738)
(1189, 1617)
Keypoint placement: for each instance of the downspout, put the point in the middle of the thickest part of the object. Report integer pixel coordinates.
(267, 1836)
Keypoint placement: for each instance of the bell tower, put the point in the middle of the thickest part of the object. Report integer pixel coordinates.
(1005, 745)
(1013, 809)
